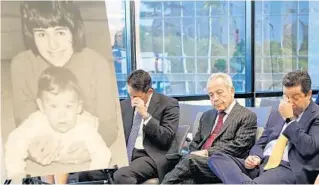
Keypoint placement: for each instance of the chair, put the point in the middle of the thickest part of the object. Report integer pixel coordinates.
(188, 113)
(196, 123)
(260, 131)
(176, 147)
(274, 103)
(262, 113)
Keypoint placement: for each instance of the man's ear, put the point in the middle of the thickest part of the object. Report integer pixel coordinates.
(232, 89)
(80, 107)
(309, 94)
(150, 91)
(40, 104)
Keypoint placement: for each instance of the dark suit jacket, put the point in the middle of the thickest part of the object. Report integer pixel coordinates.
(303, 137)
(236, 137)
(317, 99)
(159, 131)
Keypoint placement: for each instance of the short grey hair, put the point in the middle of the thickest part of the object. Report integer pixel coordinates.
(227, 79)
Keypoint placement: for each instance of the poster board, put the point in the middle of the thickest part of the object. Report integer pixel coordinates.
(22, 65)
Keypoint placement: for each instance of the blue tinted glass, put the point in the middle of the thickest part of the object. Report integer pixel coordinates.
(192, 40)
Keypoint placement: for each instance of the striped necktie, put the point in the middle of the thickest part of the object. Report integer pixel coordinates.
(133, 135)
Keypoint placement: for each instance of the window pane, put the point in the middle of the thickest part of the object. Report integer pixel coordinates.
(151, 9)
(211, 8)
(279, 7)
(190, 41)
(151, 35)
(237, 8)
(116, 20)
(313, 48)
(285, 41)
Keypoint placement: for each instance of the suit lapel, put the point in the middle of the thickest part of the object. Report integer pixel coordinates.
(307, 115)
(231, 117)
(279, 126)
(210, 124)
(153, 103)
(127, 117)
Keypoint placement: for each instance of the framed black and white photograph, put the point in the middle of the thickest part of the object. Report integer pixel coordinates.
(60, 105)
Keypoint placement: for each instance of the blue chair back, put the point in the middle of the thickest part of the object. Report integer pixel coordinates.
(262, 113)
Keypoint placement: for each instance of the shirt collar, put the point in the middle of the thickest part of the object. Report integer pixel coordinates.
(230, 107)
(298, 118)
(149, 100)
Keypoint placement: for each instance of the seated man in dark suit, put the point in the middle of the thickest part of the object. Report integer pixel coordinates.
(287, 151)
(228, 127)
(150, 122)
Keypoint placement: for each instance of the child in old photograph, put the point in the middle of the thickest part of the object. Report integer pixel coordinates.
(61, 122)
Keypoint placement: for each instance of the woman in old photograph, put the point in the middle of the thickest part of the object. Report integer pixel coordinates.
(54, 36)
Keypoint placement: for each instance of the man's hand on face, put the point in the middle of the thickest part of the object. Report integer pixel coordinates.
(140, 106)
(202, 153)
(285, 109)
(44, 149)
(252, 162)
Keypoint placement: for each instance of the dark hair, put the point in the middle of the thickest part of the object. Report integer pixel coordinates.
(140, 80)
(44, 14)
(58, 79)
(296, 78)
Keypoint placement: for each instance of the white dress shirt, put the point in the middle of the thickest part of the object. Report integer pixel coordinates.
(140, 135)
(270, 146)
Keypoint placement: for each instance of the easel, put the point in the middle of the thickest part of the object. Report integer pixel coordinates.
(28, 180)
(108, 174)
(34, 180)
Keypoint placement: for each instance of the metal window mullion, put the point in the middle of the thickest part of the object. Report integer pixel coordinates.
(130, 33)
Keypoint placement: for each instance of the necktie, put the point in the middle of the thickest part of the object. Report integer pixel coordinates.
(133, 135)
(277, 153)
(215, 132)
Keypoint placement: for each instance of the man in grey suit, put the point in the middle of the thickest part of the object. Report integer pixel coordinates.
(228, 127)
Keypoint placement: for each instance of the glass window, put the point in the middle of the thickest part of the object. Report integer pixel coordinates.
(284, 41)
(181, 43)
(117, 27)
